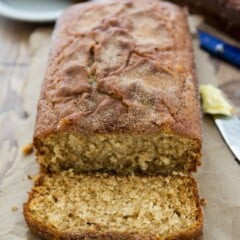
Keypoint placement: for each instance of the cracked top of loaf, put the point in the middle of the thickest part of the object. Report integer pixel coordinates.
(121, 66)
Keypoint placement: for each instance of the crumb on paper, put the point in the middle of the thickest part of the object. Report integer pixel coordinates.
(214, 102)
(27, 149)
(14, 208)
(203, 202)
(35, 177)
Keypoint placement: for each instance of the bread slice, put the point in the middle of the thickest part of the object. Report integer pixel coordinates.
(70, 206)
(120, 91)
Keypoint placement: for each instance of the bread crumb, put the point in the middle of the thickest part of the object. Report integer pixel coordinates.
(35, 178)
(27, 149)
(14, 208)
(203, 202)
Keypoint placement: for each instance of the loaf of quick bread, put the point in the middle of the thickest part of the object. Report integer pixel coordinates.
(120, 91)
(119, 101)
(103, 207)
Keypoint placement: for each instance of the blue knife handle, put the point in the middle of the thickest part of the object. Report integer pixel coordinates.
(219, 48)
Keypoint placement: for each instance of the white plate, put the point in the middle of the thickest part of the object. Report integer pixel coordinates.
(33, 10)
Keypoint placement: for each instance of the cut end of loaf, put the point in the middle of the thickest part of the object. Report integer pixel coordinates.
(112, 207)
(119, 153)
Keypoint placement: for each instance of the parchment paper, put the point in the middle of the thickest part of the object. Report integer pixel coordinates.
(218, 177)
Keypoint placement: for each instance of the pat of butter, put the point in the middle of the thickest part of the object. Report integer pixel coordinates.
(213, 101)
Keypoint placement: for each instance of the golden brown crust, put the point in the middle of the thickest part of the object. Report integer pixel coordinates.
(49, 232)
(110, 73)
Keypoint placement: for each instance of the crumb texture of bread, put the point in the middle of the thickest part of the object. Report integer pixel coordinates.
(123, 70)
(120, 153)
(70, 206)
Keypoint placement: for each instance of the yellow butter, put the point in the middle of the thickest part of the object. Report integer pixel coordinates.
(213, 101)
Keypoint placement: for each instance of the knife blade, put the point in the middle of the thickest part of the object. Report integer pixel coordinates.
(229, 127)
(228, 124)
(219, 48)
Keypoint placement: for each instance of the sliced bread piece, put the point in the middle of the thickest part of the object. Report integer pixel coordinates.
(71, 206)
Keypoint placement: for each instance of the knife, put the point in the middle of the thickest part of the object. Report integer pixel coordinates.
(228, 124)
(219, 48)
(229, 127)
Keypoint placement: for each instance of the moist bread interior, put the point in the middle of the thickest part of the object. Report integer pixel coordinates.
(119, 153)
(145, 206)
